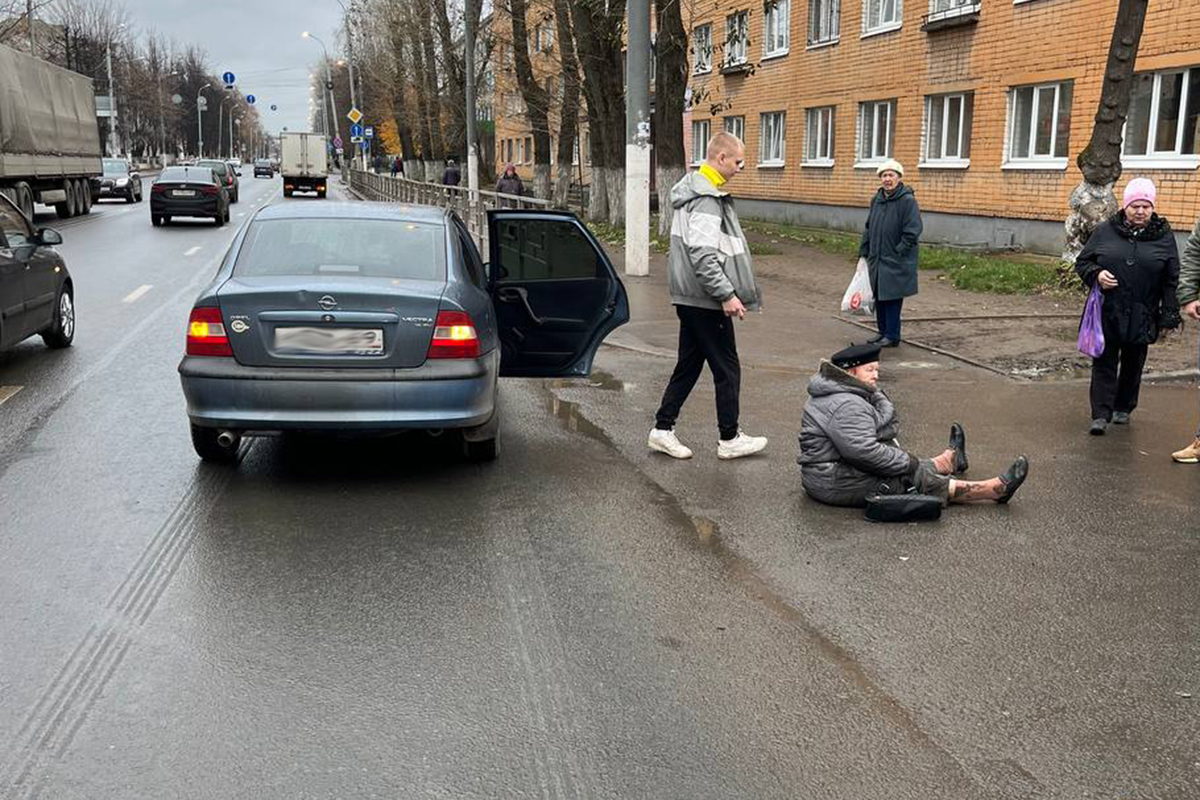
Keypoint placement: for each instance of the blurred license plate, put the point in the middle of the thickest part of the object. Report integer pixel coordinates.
(329, 340)
(184, 193)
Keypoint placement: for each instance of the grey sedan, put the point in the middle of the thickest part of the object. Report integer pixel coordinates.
(373, 317)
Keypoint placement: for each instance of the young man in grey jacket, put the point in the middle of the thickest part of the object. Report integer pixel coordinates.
(1189, 306)
(711, 281)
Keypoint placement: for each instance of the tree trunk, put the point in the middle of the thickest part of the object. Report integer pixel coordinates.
(598, 193)
(438, 153)
(599, 37)
(537, 101)
(568, 128)
(1093, 200)
(456, 136)
(420, 94)
(670, 160)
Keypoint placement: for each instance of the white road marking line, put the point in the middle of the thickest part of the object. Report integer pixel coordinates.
(133, 296)
(241, 213)
(7, 392)
(193, 250)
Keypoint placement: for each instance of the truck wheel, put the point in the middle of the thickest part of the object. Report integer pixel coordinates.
(85, 191)
(61, 332)
(23, 196)
(204, 441)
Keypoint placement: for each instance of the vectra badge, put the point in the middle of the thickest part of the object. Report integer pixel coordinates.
(327, 303)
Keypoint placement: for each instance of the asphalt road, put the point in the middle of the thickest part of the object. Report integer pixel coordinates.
(578, 620)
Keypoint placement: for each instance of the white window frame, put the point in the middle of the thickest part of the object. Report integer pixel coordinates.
(883, 27)
(1163, 159)
(888, 143)
(1034, 161)
(777, 29)
(964, 136)
(826, 130)
(575, 152)
(821, 10)
(702, 56)
(764, 143)
(737, 41)
(737, 126)
(956, 8)
(701, 133)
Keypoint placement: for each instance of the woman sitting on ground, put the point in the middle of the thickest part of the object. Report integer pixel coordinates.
(848, 448)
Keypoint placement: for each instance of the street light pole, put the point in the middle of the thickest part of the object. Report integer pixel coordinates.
(472, 154)
(199, 122)
(330, 131)
(112, 109)
(350, 67)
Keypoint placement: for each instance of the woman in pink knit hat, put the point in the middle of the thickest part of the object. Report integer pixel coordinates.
(1132, 257)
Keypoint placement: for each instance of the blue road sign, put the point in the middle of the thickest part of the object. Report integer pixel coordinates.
(229, 78)
(250, 99)
(364, 144)
(369, 131)
(356, 130)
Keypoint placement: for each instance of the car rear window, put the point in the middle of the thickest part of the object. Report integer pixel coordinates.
(368, 248)
(220, 166)
(185, 174)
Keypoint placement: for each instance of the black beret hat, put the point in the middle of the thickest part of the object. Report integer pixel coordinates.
(855, 355)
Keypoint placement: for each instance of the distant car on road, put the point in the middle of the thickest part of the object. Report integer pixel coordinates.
(263, 168)
(373, 317)
(225, 172)
(188, 192)
(37, 295)
(236, 163)
(120, 179)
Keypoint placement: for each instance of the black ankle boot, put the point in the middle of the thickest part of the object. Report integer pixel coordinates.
(958, 443)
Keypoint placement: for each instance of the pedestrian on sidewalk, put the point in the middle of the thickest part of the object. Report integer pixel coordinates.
(397, 167)
(848, 448)
(1133, 257)
(889, 244)
(1189, 301)
(711, 282)
(509, 183)
(451, 175)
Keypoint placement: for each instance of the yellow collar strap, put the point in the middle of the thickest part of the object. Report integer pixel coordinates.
(712, 175)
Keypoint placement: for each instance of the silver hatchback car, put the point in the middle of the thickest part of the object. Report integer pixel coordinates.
(373, 317)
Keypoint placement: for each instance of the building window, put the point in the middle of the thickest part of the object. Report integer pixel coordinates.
(772, 132)
(876, 126)
(528, 149)
(941, 9)
(880, 16)
(948, 129)
(737, 38)
(508, 147)
(701, 49)
(736, 126)
(575, 152)
(1040, 124)
(700, 137)
(775, 27)
(818, 136)
(824, 21)
(1164, 109)
(587, 149)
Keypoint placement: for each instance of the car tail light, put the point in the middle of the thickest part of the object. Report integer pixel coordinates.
(209, 189)
(229, 180)
(206, 333)
(158, 188)
(454, 336)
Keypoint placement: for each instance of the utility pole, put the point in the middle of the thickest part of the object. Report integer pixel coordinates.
(199, 122)
(29, 24)
(472, 155)
(637, 142)
(112, 108)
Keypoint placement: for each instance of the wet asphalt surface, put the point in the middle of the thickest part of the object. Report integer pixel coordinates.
(375, 618)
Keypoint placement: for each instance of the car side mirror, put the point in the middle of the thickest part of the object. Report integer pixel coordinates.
(238, 173)
(49, 237)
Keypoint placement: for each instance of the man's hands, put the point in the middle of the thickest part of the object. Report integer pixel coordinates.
(733, 308)
(1107, 279)
(1192, 309)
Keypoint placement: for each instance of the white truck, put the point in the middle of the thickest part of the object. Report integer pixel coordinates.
(303, 162)
(49, 139)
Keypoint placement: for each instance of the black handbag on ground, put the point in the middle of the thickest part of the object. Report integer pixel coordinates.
(910, 507)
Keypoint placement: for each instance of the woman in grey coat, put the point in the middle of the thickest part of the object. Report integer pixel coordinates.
(889, 244)
(848, 448)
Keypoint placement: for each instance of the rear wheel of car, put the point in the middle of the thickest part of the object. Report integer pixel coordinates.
(482, 451)
(219, 219)
(141, 195)
(166, 219)
(62, 330)
(287, 192)
(130, 195)
(204, 441)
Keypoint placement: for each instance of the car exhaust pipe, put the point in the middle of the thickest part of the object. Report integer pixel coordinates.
(227, 439)
(434, 433)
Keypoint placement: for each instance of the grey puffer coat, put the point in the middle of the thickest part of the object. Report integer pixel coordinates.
(847, 439)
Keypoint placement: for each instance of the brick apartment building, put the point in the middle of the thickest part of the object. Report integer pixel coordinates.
(986, 102)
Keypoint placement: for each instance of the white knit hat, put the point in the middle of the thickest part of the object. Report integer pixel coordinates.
(892, 164)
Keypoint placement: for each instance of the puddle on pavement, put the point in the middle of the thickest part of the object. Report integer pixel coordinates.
(571, 418)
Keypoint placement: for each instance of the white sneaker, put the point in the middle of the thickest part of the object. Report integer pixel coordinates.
(666, 442)
(740, 446)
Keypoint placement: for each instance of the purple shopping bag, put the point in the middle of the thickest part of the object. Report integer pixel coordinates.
(1091, 331)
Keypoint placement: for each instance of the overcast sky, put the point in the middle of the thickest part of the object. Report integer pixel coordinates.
(257, 40)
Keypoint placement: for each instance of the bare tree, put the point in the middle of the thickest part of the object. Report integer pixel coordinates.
(599, 35)
(537, 101)
(1092, 201)
(671, 53)
(568, 114)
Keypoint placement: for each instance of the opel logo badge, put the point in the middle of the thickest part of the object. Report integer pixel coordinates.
(327, 303)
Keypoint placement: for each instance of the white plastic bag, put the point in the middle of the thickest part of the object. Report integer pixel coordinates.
(859, 299)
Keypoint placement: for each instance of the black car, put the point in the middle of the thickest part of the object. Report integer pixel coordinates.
(120, 179)
(36, 293)
(226, 173)
(263, 168)
(189, 192)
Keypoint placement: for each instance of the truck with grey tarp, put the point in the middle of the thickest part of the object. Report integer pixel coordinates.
(49, 139)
